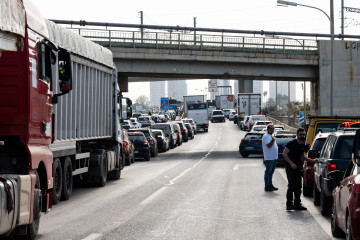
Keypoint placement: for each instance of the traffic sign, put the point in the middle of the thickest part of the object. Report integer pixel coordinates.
(301, 118)
(212, 85)
(164, 104)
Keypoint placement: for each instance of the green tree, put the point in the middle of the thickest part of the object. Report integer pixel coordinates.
(142, 101)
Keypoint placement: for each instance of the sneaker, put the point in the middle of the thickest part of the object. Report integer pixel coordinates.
(300, 207)
(268, 189)
(289, 207)
(274, 188)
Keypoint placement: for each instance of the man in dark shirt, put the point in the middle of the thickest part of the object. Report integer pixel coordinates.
(294, 157)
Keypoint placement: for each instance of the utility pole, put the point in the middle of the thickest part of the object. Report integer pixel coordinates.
(289, 103)
(342, 19)
(195, 31)
(142, 23)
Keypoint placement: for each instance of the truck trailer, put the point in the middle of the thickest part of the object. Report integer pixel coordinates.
(249, 104)
(59, 118)
(192, 99)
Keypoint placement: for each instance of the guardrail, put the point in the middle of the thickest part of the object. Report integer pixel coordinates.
(200, 42)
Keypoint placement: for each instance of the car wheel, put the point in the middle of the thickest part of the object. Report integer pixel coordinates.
(325, 204)
(244, 154)
(335, 230)
(147, 158)
(153, 154)
(348, 228)
(206, 129)
(307, 189)
(133, 158)
(316, 195)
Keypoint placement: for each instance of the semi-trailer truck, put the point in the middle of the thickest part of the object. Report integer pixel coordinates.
(59, 117)
(249, 104)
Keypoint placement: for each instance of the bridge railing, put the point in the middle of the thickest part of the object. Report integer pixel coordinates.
(202, 42)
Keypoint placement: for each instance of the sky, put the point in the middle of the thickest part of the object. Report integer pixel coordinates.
(229, 14)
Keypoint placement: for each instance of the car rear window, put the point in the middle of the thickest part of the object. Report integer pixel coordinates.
(253, 136)
(318, 144)
(144, 118)
(343, 148)
(157, 133)
(138, 138)
(217, 113)
(161, 126)
(284, 139)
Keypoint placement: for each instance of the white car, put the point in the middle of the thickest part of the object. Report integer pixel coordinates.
(135, 123)
(232, 115)
(192, 123)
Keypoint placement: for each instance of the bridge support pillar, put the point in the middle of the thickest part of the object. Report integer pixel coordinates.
(245, 86)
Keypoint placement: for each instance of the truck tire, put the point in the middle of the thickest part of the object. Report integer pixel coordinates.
(115, 174)
(33, 228)
(103, 177)
(67, 178)
(57, 180)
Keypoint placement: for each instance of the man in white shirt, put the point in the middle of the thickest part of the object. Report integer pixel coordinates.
(270, 150)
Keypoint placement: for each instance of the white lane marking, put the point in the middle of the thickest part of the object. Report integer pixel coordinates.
(236, 167)
(149, 165)
(322, 221)
(93, 236)
(153, 196)
(172, 181)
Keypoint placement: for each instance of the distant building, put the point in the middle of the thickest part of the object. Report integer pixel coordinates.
(177, 89)
(157, 91)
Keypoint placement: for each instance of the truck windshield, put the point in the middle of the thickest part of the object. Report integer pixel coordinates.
(326, 127)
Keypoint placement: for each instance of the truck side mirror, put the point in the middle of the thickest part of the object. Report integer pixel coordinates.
(65, 71)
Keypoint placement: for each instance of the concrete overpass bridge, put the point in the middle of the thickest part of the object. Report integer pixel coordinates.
(178, 53)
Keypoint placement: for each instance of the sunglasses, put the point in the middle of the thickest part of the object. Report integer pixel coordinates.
(271, 128)
(302, 134)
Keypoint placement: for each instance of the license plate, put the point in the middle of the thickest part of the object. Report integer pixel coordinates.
(249, 148)
(136, 151)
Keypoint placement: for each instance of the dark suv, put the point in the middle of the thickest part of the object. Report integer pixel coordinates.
(150, 138)
(334, 155)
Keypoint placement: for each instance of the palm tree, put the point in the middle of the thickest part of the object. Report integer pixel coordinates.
(265, 94)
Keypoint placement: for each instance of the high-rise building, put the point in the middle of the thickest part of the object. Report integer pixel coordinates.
(177, 89)
(157, 91)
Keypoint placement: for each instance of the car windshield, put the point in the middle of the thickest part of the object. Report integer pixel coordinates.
(318, 144)
(252, 136)
(326, 127)
(284, 139)
(343, 148)
(217, 113)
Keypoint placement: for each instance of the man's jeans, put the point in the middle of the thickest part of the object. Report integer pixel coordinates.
(269, 171)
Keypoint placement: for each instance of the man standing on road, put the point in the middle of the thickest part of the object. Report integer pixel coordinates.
(294, 157)
(270, 150)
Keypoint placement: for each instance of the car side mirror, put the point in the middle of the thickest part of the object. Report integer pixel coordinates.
(313, 154)
(336, 175)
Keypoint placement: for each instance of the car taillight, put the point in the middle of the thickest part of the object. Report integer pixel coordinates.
(146, 143)
(207, 125)
(258, 141)
(178, 134)
(151, 139)
(331, 167)
(357, 187)
(192, 123)
(183, 129)
(125, 143)
(171, 133)
(149, 122)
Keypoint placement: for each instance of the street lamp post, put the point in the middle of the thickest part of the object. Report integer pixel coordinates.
(331, 19)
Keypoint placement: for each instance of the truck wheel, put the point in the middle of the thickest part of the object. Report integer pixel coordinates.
(33, 228)
(57, 180)
(67, 178)
(115, 174)
(103, 177)
(316, 195)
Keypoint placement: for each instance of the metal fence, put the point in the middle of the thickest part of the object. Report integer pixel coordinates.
(200, 42)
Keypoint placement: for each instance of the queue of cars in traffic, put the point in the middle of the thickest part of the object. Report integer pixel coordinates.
(334, 180)
(145, 136)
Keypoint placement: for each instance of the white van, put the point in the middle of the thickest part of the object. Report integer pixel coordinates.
(253, 119)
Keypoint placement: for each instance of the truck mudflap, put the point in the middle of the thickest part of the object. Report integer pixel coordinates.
(9, 199)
